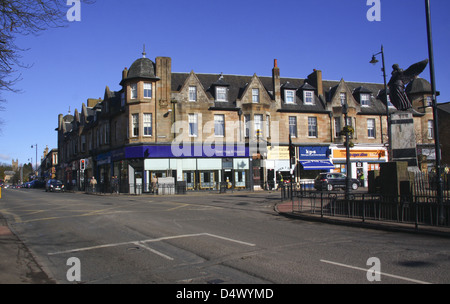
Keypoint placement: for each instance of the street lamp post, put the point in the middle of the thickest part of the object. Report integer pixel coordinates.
(347, 151)
(374, 61)
(440, 182)
(35, 146)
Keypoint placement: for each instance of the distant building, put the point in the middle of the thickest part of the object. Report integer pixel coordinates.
(207, 129)
(444, 132)
(9, 175)
(48, 164)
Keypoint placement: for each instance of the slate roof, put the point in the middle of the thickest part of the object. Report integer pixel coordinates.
(237, 84)
(418, 85)
(141, 68)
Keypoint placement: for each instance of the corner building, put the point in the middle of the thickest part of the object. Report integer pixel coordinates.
(208, 129)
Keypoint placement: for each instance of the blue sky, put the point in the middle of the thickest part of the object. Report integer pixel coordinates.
(72, 64)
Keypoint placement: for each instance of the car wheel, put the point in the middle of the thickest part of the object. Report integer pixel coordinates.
(354, 186)
(330, 187)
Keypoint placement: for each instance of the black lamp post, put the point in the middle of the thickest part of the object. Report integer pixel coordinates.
(440, 183)
(374, 61)
(35, 146)
(347, 151)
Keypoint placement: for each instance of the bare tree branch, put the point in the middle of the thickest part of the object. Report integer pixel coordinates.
(19, 18)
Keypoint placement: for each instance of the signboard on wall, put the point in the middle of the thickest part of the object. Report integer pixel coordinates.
(278, 152)
(360, 154)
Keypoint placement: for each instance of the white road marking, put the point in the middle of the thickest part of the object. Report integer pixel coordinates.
(381, 273)
(154, 251)
(231, 240)
(142, 243)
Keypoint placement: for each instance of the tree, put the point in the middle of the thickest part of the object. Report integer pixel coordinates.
(24, 17)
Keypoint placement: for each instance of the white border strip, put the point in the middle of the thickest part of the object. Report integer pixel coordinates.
(384, 274)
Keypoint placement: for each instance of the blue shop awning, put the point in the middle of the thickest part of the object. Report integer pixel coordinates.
(316, 165)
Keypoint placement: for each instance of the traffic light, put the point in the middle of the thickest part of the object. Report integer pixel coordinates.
(82, 164)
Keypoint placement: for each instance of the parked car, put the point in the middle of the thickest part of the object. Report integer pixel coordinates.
(331, 181)
(54, 185)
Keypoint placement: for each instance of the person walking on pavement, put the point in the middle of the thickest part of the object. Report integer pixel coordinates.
(115, 184)
(93, 183)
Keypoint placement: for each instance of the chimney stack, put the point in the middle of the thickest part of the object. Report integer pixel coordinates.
(276, 82)
(124, 73)
(315, 79)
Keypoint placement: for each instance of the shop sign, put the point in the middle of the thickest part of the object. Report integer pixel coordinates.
(278, 152)
(186, 151)
(360, 154)
(313, 152)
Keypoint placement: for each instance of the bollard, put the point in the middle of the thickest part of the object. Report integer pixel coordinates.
(0, 192)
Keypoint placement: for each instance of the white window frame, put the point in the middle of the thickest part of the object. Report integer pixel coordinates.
(389, 101)
(337, 127)
(135, 125)
(192, 93)
(293, 126)
(147, 121)
(193, 125)
(371, 131)
(308, 97)
(247, 125)
(430, 129)
(267, 126)
(312, 127)
(148, 88)
(133, 91)
(365, 99)
(219, 125)
(221, 94)
(258, 124)
(255, 95)
(343, 98)
(289, 96)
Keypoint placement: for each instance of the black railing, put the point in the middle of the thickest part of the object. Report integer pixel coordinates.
(416, 210)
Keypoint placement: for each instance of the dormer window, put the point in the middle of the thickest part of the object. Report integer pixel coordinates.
(289, 96)
(308, 97)
(221, 94)
(389, 102)
(365, 100)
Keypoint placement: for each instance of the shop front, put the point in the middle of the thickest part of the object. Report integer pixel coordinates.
(278, 166)
(362, 160)
(138, 166)
(313, 160)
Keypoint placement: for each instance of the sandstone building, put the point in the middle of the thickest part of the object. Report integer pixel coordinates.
(207, 129)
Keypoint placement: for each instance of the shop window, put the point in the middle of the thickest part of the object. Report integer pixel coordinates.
(207, 180)
(239, 179)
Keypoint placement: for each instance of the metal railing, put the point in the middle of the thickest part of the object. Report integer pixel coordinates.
(416, 210)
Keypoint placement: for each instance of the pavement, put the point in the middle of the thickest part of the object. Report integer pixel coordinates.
(18, 266)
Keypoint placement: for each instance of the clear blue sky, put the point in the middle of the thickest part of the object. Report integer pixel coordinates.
(72, 64)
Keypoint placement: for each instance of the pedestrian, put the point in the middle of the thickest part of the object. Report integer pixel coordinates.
(115, 183)
(93, 183)
(154, 182)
